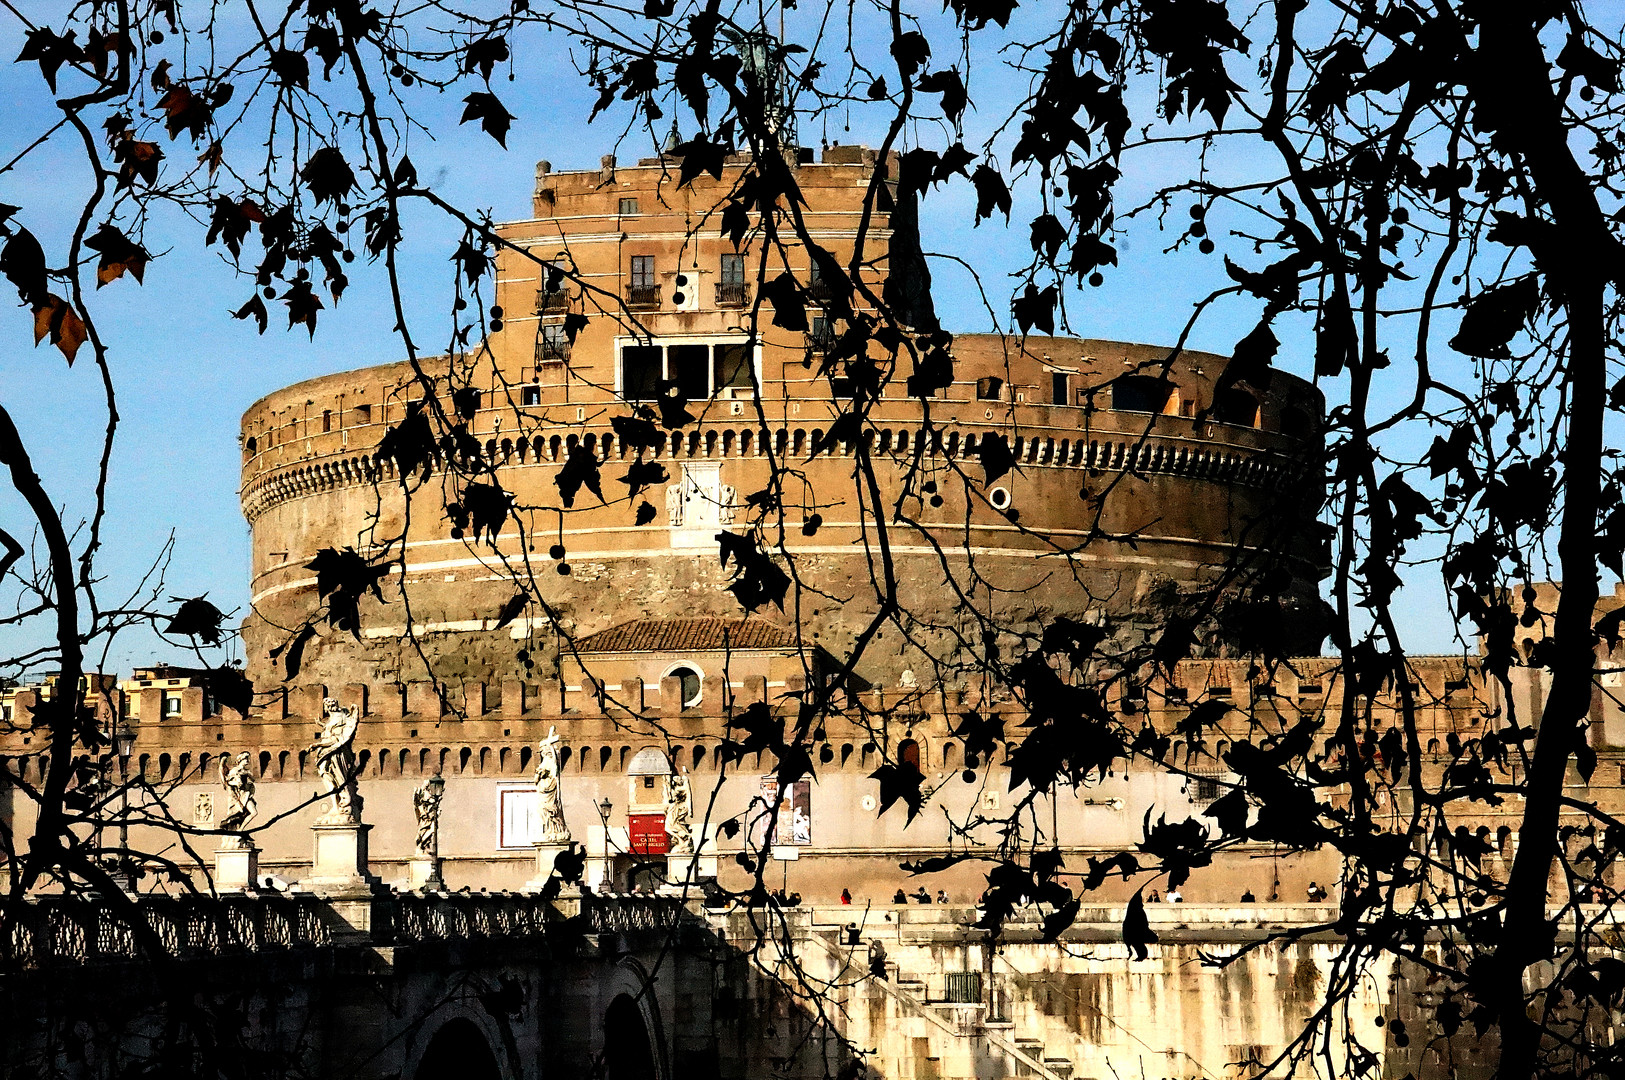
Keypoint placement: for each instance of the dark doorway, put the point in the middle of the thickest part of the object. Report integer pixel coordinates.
(458, 1051)
(627, 1052)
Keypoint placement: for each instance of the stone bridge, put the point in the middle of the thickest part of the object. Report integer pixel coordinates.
(521, 987)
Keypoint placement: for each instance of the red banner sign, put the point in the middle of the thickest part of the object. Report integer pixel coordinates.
(646, 833)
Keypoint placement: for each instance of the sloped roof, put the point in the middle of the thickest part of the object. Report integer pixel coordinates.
(706, 634)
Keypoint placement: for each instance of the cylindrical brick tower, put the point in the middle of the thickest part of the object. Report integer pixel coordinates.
(1131, 472)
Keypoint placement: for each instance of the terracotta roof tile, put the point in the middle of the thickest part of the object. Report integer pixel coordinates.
(710, 633)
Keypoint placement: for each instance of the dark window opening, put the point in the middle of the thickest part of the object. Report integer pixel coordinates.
(253, 446)
(988, 388)
(732, 366)
(327, 421)
(817, 284)
(908, 754)
(1058, 387)
(641, 372)
(1141, 393)
(530, 394)
(690, 368)
(1236, 407)
(363, 414)
(821, 337)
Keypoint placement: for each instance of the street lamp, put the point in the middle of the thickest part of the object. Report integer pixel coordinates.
(606, 882)
(124, 745)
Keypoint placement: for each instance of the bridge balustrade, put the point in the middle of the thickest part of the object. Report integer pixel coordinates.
(53, 931)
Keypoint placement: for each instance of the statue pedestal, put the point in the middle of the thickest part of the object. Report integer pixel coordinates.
(339, 866)
(546, 855)
(690, 870)
(237, 867)
(423, 874)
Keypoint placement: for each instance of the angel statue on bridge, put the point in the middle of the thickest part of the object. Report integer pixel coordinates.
(335, 763)
(426, 808)
(550, 824)
(679, 815)
(238, 780)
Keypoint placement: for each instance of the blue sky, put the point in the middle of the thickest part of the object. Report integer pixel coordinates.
(185, 371)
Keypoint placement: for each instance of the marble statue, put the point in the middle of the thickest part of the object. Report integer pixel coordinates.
(426, 807)
(727, 500)
(674, 501)
(679, 815)
(335, 763)
(550, 824)
(238, 779)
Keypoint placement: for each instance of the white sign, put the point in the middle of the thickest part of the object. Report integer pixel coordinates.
(516, 816)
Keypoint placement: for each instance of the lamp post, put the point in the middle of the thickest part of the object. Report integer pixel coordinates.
(607, 881)
(124, 745)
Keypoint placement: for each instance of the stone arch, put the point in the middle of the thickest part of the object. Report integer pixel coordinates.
(634, 1045)
(459, 1050)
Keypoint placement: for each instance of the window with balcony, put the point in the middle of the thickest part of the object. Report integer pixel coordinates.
(552, 344)
(642, 289)
(553, 294)
(821, 334)
(697, 369)
(817, 284)
(731, 282)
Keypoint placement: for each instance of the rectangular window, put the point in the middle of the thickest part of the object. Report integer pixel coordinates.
(172, 704)
(516, 816)
(1058, 383)
(530, 394)
(643, 291)
(821, 337)
(732, 367)
(731, 283)
(629, 206)
(363, 414)
(641, 372)
(688, 367)
(327, 421)
(988, 388)
(552, 344)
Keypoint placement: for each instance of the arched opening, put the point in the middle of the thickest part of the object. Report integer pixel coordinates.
(458, 1051)
(908, 755)
(1236, 406)
(1141, 393)
(628, 1054)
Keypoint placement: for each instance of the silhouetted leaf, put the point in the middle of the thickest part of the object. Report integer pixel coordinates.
(511, 608)
(900, 780)
(494, 118)
(196, 617)
(580, 470)
(327, 175)
(994, 453)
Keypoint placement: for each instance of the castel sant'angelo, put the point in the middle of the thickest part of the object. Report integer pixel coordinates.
(1133, 473)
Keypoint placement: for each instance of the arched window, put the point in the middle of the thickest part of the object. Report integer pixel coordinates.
(691, 685)
(908, 755)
